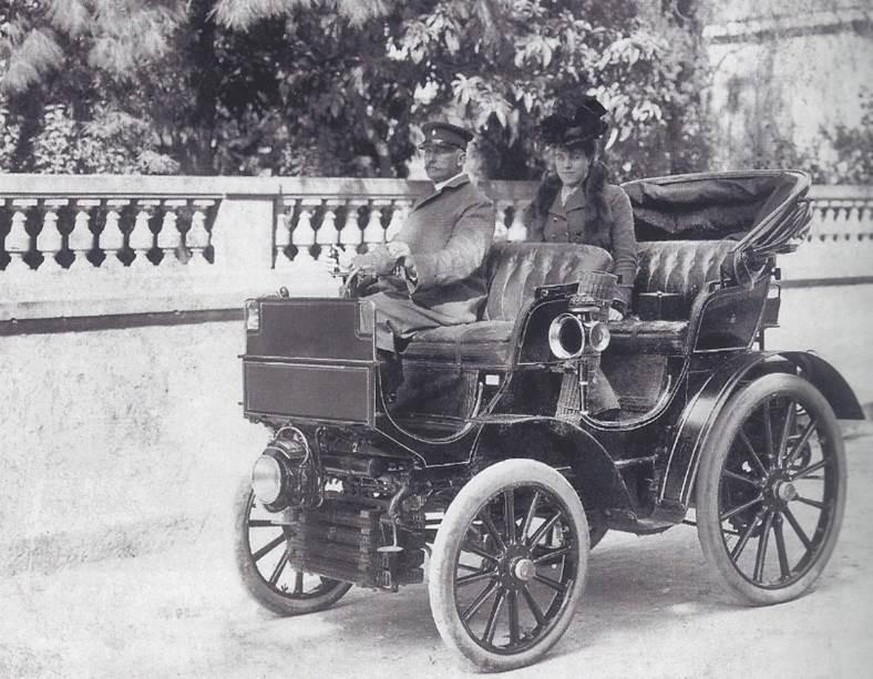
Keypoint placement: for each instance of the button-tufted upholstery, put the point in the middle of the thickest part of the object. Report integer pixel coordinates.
(514, 271)
(682, 267)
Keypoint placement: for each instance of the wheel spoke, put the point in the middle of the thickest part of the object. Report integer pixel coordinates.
(741, 545)
(492, 530)
(513, 617)
(811, 503)
(740, 477)
(531, 513)
(478, 551)
(554, 584)
(797, 528)
(277, 571)
(804, 438)
(553, 555)
(763, 541)
(533, 605)
(298, 582)
(491, 625)
(269, 547)
(736, 510)
(262, 523)
(509, 514)
(780, 546)
(787, 428)
(480, 599)
(753, 454)
(542, 530)
(475, 577)
(811, 469)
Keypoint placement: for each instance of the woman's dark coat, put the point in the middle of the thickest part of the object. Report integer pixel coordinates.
(547, 219)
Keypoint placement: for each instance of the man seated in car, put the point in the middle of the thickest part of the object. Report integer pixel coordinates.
(437, 256)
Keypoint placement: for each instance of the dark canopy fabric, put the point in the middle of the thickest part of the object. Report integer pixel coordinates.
(703, 207)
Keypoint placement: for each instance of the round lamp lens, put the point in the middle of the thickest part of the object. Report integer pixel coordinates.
(267, 479)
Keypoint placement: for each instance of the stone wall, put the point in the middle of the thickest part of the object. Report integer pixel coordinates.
(782, 71)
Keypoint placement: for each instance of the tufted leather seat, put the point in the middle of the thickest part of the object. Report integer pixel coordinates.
(514, 272)
(681, 267)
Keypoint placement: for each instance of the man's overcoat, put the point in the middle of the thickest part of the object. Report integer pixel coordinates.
(448, 232)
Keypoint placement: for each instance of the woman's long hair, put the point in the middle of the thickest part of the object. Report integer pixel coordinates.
(598, 227)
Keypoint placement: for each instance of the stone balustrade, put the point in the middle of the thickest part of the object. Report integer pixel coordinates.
(96, 245)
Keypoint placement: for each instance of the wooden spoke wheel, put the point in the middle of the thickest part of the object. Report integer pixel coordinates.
(262, 561)
(771, 490)
(508, 565)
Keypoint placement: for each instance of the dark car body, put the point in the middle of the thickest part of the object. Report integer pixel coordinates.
(494, 419)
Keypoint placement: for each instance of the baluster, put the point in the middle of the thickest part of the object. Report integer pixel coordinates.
(866, 218)
(81, 239)
(841, 219)
(283, 237)
(303, 235)
(198, 237)
(398, 216)
(327, 235)
(17, 241)
(112, 235)
(141, 238)
(170, 237)
(353, 221)
(857, 226)
(49, 240)
(517, 230)
(374, 234)
(350, 234)
(824, 212)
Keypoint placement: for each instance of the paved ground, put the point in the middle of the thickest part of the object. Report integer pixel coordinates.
(651, 610)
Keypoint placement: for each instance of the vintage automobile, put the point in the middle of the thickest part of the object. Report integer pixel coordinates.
(488, 459)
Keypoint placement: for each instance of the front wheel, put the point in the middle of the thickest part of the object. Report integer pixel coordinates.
(508, 565)
(262, 562)
(771, 490)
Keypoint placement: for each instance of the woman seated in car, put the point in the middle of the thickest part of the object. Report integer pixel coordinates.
(575, 203)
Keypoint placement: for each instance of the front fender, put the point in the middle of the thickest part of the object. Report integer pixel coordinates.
(558, 444)
(704, 407)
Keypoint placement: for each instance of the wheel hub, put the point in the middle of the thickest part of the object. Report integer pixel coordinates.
(524, 570)
(516, 566)
(784, 491)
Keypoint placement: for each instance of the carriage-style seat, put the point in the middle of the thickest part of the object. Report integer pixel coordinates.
(680, 267)
(514, 271)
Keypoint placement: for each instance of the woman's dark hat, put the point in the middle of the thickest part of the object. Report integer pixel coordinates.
(574, 121)
(445, 134)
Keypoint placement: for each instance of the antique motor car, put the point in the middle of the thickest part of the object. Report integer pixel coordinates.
(488, 460)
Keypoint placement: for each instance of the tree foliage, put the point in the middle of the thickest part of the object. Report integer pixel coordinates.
(337, 87)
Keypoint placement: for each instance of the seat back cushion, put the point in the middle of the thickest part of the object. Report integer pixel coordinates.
(681, 267)
(516, 270)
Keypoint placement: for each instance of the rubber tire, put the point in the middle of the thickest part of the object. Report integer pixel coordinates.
(709, 533)
(257, 586)
(460, 513)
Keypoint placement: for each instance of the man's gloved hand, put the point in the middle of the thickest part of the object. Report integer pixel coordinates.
(398, 249)
(379, 261)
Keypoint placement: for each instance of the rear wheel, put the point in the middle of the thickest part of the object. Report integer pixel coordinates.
(508, 565)
(262, 561)
(771, 490)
